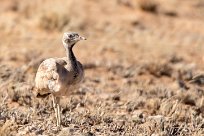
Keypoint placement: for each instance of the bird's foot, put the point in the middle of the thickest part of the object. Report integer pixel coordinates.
(56, 129)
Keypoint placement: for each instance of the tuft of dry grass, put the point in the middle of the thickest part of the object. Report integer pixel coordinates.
(9, 128)
(148, 5)
(53, 21)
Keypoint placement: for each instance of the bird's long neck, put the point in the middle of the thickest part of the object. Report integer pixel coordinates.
(71, 58)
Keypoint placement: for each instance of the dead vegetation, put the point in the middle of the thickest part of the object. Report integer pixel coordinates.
(130, 110)
(139, 68)
(148, 5)
(53, 21)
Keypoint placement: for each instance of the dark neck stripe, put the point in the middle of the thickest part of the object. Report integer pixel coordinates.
(71, 58)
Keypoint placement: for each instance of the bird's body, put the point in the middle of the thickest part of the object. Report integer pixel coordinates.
(60, 76)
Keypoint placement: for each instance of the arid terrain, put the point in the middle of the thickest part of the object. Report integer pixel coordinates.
(139, 60)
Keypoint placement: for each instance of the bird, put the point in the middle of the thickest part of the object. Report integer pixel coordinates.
(60, 76)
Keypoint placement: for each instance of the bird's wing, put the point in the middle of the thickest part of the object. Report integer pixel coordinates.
(81, 70)
(80, 65)
(48, 74)
(61, 61)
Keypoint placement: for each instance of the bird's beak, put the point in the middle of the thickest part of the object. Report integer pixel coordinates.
(82, 38)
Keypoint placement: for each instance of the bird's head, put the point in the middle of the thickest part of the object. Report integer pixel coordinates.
(71, 38)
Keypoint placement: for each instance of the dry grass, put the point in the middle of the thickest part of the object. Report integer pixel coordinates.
(148, 5)
(138, 67)
(127, 111)
(53, 21)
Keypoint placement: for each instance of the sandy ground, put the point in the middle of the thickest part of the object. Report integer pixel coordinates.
(139, 58)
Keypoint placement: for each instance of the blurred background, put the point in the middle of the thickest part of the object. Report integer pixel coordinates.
(124, 29)
(139, 58)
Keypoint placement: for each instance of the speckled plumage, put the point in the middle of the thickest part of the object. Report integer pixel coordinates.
(60, 76)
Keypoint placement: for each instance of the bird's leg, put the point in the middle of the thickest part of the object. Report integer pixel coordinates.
(58, 110)
(55, 108)
(70, 101)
